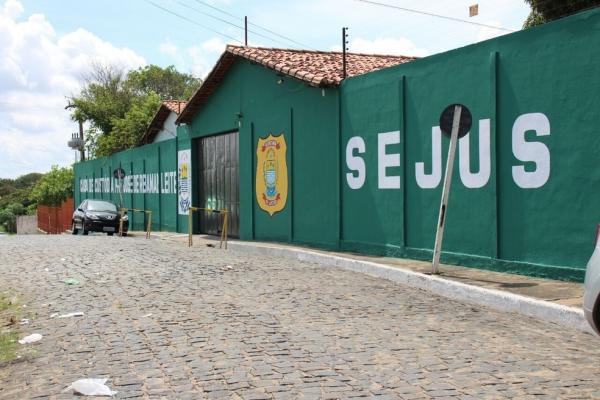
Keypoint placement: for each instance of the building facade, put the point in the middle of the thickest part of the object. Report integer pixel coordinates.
(297, 154)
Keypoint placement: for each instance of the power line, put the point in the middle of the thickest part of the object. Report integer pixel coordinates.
(375, 3)
(227, 22)
(192, 21)
(256, 25)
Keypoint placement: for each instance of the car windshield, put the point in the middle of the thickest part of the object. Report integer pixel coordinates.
(101, 206)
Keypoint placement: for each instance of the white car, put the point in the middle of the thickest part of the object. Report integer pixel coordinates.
(591, 298)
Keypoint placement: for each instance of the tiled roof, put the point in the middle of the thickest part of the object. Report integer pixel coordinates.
(316, 68)
(166, 108)
(175, 105)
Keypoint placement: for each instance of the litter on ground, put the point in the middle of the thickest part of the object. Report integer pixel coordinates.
(91, 387)
(71, 281)
(73, 314)
(36, 337)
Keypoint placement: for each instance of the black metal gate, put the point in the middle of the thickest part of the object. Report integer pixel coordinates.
(218, 180)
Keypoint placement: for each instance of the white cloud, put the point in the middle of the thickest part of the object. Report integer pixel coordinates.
(214, 45)
(486, 33)
(197, 60)
(38, 70)
(12, 9)
(390, 46)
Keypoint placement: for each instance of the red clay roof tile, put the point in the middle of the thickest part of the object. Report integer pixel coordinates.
(316, 68)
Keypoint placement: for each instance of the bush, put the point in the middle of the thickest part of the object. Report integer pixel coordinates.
(54, 187)
(16, 209)
(8, 220)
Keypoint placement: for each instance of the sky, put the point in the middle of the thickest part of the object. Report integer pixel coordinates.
(47, 47)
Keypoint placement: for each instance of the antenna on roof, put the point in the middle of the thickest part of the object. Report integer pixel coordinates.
(344, 49)
(246, 31)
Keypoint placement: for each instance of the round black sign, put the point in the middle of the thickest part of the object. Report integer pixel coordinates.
(447, 118)
(119, 173)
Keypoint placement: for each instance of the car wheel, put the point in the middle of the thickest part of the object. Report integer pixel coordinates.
(74, 230)
(109, 233)
(83, 230)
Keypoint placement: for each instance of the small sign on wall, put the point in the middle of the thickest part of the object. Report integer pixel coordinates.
(184, 175)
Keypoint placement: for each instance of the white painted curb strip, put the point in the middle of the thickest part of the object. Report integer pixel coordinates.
(569, 317)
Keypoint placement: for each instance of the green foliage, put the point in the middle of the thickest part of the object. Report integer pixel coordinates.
(167, 82)
(18, 190)
(16, 208)
(54, 187)
(8, 220)
(128, 131)
(119, 106)
(543, 11)
(103, 98)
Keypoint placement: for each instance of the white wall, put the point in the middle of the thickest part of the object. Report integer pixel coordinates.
(169, 129)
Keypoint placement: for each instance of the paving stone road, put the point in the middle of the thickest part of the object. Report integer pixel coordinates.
(166, 321)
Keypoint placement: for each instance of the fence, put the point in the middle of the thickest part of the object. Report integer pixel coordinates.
(27, 224)
(55, 220)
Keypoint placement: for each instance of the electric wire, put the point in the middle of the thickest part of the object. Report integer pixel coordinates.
(376, 3)
(228, 22)
(302, 45)
(192, 21)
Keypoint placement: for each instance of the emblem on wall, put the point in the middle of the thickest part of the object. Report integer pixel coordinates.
(271, 173)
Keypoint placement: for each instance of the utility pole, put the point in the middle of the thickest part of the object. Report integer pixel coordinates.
(82, 149)
(81, 141)
(344, 49)
(246, 31)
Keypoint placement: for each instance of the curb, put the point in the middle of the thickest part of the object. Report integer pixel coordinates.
(565, 316)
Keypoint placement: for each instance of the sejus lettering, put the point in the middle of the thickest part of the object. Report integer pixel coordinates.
(154, 183)
(533, 153)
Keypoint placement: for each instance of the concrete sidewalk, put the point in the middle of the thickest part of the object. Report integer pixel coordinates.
(555, 301)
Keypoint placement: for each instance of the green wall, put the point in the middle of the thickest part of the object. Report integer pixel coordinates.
(546, 73)
(158, 162)
(526, 186)
(257, 102)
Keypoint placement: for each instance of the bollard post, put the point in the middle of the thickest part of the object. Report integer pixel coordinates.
(149, 225)
(190, 227)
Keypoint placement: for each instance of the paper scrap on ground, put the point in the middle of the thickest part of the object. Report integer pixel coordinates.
(24, 321)
(91, 387)
(73, 314)
(71, 281)
(31, 338)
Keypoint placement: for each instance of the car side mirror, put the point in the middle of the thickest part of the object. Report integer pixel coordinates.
(79, 209)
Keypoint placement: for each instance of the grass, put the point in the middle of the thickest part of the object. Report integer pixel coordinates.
(10, 315)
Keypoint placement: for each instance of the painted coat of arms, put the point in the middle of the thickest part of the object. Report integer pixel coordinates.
(271, 173)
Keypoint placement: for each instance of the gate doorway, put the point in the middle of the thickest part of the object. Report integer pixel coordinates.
(218, 182)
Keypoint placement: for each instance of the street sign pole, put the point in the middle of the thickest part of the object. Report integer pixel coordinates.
(439, 235)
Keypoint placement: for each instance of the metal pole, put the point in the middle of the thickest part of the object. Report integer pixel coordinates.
(446, 191)
(246, 31)
(82, 140)
(149, 226)
(190, 227)
(344, 52)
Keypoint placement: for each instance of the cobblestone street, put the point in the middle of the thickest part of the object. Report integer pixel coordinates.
(165, 320)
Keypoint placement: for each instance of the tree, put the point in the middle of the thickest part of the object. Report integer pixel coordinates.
(8, 221)
(167, 82)
(119, 106)
(104, 97)
(543, 11)
(16, 208)
(18, 190)
(54, 187)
